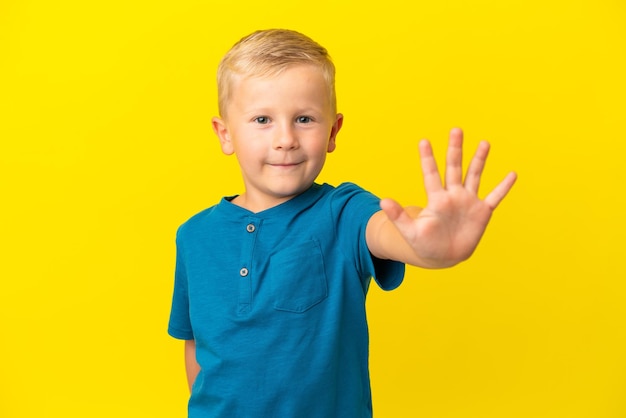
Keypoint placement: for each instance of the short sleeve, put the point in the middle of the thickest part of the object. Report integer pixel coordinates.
(353, 209)
(180, 323)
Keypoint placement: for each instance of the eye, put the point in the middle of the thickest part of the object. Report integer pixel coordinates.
(262, 120)
(303, 119)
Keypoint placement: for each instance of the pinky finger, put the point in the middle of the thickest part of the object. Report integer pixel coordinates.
(494, 198)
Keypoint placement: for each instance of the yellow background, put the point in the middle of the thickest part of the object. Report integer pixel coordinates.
(106, 147)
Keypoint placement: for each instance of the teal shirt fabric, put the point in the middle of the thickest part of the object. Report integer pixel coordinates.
(275, 301)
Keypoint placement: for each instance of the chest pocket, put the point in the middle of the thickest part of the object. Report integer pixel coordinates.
(298, 277)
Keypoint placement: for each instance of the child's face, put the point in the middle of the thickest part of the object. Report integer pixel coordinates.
(280, 128)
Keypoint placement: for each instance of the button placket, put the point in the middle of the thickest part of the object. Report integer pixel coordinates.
(246, 265)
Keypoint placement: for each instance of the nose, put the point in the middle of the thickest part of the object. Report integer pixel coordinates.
(286, 137)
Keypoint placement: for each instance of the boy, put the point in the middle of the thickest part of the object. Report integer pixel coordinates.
(270, 284)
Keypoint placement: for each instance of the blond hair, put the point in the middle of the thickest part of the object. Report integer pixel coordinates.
(266, 53)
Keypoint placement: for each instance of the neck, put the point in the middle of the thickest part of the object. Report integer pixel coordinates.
(247, 202)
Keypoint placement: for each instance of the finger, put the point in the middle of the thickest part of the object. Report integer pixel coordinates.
(494, 198)
(476, 167)
(396, 214)
(432, 180)
(454, 158)
(392, 208)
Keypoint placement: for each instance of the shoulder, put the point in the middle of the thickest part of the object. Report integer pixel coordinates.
(355, 197)
(346, 191)
(351, 206)
(350, 188)
(200, 221)
(198, 217)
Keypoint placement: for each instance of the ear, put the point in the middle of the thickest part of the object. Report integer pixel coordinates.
(221, 130)
(334, 131)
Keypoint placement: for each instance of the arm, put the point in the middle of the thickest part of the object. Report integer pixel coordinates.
(448, 229)
(191, 365)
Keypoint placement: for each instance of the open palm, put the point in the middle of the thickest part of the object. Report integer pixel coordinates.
(449, 228)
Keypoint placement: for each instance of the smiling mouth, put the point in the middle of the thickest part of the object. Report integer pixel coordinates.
(285, 164)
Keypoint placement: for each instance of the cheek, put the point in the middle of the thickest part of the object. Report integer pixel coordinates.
(248, 144)
(316, 142)
(248, 154)
(320, 147)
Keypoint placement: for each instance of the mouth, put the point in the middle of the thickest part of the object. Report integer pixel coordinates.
(285, 165)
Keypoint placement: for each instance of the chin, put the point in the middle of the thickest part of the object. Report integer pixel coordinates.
(289, 191)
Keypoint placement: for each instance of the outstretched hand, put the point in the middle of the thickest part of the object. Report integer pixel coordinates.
(449, 228)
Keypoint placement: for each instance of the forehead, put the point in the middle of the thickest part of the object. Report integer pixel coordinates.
(294, 83)
(271, 74)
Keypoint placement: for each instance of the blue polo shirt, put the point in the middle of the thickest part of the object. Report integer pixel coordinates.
(275, 301)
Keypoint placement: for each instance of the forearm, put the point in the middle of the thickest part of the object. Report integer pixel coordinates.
(191, 365)
(386, 242)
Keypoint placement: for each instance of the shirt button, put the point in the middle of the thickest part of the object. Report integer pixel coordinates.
(243, 272)
(250, 228)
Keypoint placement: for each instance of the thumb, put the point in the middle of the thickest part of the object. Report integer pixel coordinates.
(397, 214)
